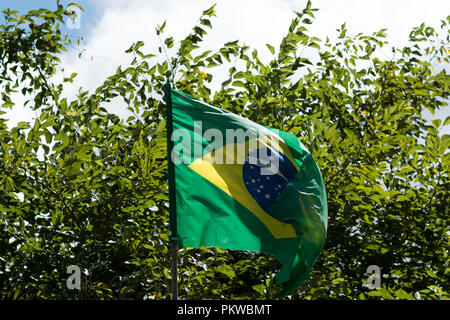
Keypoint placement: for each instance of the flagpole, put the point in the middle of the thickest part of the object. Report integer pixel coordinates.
(172, 199)
(174, 269)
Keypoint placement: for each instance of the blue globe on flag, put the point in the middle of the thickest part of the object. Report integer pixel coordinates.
(266, 172)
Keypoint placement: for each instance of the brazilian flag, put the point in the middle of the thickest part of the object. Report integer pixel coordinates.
(239, 185)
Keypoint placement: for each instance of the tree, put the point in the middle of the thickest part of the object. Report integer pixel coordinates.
(81, 186)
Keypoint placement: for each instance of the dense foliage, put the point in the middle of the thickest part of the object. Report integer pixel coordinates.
(82, 186)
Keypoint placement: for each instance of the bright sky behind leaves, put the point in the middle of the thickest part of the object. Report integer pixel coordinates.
(109, 27)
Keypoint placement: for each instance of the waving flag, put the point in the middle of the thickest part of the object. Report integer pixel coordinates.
(243, 186)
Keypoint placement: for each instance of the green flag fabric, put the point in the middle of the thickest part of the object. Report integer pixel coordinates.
(243, 186)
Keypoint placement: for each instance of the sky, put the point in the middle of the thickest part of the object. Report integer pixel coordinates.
(109, 27)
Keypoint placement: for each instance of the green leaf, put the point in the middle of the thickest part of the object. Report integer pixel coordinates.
(169, 42)
(259, 288)
(167, 274)
(431, 273)
(436, 123)
(337, 281)
(314, 45)
(382, 292)
(20, 147)
(23, 125)
(271, 49)
(206, 22)
(48, 136)
(226, 270)
(447, 121)
(7, 105)
(210, 12)
(402, 294)
(238, 83)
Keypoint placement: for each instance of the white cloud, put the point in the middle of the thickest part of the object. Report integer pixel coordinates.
(255, 22)
(397, 16)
